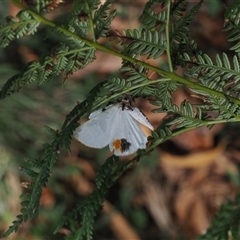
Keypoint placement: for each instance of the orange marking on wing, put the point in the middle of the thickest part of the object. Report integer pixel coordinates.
(117, 145)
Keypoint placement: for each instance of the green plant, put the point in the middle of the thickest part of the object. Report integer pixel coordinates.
(163, 32)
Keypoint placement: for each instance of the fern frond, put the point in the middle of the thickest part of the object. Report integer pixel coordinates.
(224, 108)
(78, 25)
(180, 29)
(30, 208)
(69, 57)
(151, 43)
(136, 82)
(62, 58)
(213, 75)
(65, 136)
(14, 227)
(60, 54)
(105, 171)
(16, 27)
(81, 5)
(164, 93)
(186, 46)
(30, 203)
(27, 75)
(161, 134)
(89, 208)
(151, 19)
(85, 106)
(180, 43)
(101, 20)
(28, 172)
(117, 84)
(42, 5)
(35, 163)
(135, 74)
(224, 222)
(178, 8)
(79, 60)
(232, 25)
(90, 16)
(186, 116)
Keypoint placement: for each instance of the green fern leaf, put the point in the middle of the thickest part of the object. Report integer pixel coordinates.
(116, 84)
(231, 25)
(164, 93)
(180, 29)
(80, 5)
(101, 21)
(77, 24)
(151, 19)
(235, 231)
(216, 75)
(12, 228)
(178, 8)
(105, 170)
(151, 43)
(49, 67)
(26, 171)
(221, 224)
(23, 24)
(161, 134)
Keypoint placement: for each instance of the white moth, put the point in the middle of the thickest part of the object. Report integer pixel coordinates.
(116, 125)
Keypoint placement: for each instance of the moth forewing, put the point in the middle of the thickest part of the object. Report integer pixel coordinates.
(141, 118)
(95, 132)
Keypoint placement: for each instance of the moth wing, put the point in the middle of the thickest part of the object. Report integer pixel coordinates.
(99, 111)
(140, 117)
(96, 132)
(95, 113)
(127, 129)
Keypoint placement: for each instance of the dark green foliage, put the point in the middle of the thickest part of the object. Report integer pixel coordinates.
(17, 27)
(164, 94)
(68, 57)
(30, 205)
(152, 19)
(180, 29)
(62, 58)
(105, 171)
(103, 25)
(186, 116)
(232, 15)
(226, 223)
(215, 75)
(148, 42)
(165, 31)
(109, 173)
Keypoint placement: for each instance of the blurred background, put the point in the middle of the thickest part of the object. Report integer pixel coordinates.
(172, 193)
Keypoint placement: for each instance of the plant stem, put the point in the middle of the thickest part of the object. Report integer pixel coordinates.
(186, 129)
(167, 32)
(91, 21)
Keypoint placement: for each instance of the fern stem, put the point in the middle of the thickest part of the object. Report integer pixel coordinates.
(74, 51)
(186, 129)
(96, 45)
(167, 30)
(91, 21)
